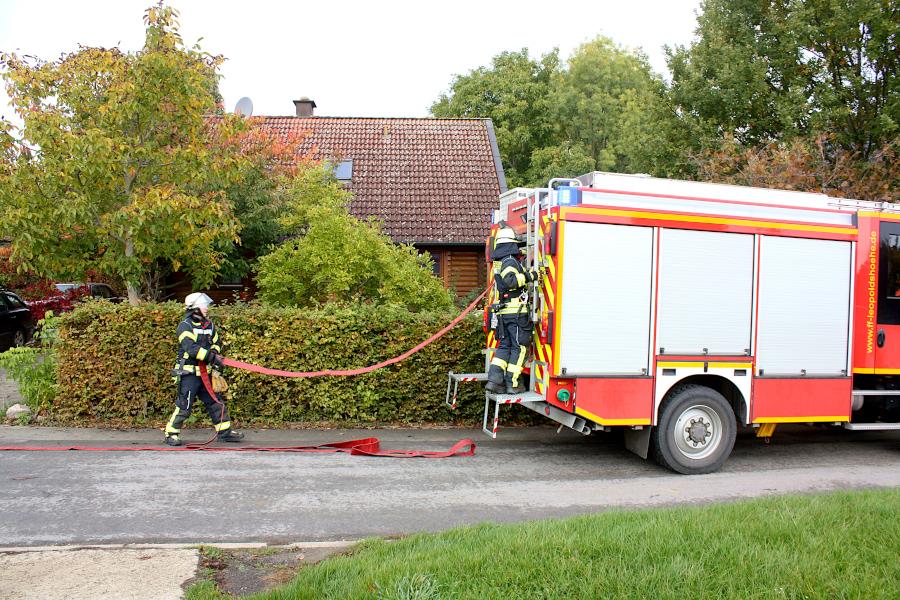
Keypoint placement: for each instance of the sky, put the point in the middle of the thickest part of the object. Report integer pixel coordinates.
(387, 58)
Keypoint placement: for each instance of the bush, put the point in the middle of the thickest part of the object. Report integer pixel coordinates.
(34, 368)
(115, 361)
(335, 257)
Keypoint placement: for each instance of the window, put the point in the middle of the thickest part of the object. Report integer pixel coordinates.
(343, 171)
(4, 307)
(102, 291)
(14, 301)
(889, 275)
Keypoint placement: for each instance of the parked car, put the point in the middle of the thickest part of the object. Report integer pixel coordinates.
(95, 290)
(16, 321)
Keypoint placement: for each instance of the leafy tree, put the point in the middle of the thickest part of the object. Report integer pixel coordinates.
(763, 71)
(514, 92)
(605, 96)
(337, 258)
(807, 165)
(566, 159)
(605, 109)
(119, 168)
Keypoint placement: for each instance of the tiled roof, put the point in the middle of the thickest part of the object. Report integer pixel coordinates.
(427, 180)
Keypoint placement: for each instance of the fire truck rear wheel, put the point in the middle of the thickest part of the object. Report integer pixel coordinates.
(696, 431)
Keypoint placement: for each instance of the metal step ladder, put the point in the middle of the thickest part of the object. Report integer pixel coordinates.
(453, 381)
(498, 399)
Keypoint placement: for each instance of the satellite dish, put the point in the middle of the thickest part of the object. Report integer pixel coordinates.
(244, 107)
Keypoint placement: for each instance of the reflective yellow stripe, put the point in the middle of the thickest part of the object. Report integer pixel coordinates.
(715, 220)
(186, 334)
(603, 421)
(548, 292)
(170, 428)
(877, 371)
(223, 426)
(499, 362)
(201, 354)
(216, 347)
(699, 365)
(820, 419)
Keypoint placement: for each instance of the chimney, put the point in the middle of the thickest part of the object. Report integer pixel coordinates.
(304, 107)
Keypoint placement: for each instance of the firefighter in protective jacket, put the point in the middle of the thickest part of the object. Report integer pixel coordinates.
(198, 343)
(513, 328)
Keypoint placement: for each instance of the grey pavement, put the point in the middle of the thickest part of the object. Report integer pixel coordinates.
(49, 498)
(9, 393)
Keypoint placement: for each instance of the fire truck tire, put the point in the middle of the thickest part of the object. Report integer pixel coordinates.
(696, 431)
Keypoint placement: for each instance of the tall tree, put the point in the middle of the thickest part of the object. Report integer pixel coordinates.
(118, 167)
(515, 93)
(767, 70)
(609, 102)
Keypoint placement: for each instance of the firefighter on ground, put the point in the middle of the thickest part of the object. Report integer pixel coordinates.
(513, 328)
(198, 343)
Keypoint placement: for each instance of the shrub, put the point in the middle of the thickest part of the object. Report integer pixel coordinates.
(115, 361)
(338, 258)
(34, 368)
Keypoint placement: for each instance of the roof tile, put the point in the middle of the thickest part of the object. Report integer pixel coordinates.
(427, 180)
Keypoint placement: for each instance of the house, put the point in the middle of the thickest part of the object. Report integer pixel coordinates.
(433, 183)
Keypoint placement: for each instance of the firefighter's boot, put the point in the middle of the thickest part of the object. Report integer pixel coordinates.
(173, 440)
(515, 389)
(230, 435)
(495, 387)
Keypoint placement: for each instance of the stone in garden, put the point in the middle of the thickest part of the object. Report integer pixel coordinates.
(17, 410)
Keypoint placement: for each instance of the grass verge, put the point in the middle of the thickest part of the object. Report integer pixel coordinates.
(838, 545)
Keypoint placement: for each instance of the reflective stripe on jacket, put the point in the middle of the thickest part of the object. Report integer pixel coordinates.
(197, 337)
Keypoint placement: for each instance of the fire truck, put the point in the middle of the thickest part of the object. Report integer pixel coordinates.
(680, 311)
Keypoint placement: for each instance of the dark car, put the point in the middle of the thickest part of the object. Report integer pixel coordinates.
(95, 290)
(16, 322)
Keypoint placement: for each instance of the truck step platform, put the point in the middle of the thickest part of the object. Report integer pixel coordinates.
(525, 398)
(872, 426)
(453, 381)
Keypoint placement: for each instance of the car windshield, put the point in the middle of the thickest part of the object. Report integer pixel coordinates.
(65, 287)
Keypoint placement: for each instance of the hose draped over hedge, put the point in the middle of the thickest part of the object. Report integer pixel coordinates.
(115, 362)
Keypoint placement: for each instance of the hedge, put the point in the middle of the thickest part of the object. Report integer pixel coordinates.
(115, 361)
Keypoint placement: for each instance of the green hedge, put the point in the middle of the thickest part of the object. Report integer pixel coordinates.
(114, 363)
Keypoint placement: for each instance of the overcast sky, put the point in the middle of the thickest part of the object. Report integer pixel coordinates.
(375, 59)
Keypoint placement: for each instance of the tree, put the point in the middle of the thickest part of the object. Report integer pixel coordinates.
(605, 95)
(764, 71)
(806, 165)
(333, 257)
(605, 109)
(514, 92)
(118, 167)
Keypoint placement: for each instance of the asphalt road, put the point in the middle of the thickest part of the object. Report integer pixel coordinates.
(49, 498)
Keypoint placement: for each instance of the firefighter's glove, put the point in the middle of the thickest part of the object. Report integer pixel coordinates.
(216, 360)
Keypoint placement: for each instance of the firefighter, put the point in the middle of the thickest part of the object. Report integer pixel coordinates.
(513, 328)
(198, 342)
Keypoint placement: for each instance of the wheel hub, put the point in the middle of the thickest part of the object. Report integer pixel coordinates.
(698, 432)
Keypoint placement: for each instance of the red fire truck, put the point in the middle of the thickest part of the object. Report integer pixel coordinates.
(680, 311)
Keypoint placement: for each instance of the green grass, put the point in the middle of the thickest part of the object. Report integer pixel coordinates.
(839, 545)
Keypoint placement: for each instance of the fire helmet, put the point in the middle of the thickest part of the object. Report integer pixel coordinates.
(197, 300)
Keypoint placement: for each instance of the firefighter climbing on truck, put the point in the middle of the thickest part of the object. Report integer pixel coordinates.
(511, 316)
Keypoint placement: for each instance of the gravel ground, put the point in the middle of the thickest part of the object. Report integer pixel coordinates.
(9, 392)
(96, 574)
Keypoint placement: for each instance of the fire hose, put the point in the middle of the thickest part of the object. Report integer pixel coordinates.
(362, 447)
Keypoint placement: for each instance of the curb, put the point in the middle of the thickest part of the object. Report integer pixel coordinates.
(186, 546)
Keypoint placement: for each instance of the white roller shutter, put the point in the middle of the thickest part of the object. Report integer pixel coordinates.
(705, 292)
(804, 306)
(605, 299)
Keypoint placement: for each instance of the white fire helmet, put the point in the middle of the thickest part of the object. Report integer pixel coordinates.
(197, 300)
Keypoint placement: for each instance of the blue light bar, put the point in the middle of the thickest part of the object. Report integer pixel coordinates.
(568, 196)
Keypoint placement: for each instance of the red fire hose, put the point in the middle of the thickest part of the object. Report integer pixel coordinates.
(362, 447)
